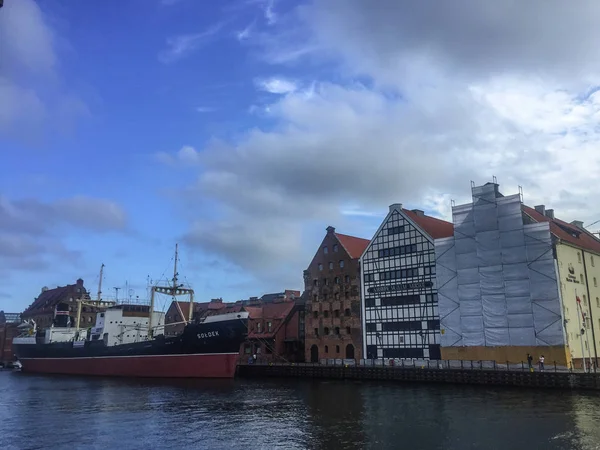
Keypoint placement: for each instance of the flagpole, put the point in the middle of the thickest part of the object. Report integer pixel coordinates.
(580, 331)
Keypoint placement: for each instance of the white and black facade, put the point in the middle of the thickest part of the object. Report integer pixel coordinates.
(399, 298)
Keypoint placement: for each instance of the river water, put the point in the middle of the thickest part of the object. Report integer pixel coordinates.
(55, 412)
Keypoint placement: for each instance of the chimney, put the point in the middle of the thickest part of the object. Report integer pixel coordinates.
(419, 212)
(550, 213)
(397, 206)
(330, 229)
(577, 223)
(541, 209)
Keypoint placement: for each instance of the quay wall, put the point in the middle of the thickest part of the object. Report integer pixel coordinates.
(516, 378)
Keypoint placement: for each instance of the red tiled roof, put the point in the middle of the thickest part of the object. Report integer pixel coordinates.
(254, 312)
(48, 299)
(354, 246)
(436, 228)
(583, 240)
(274, 311)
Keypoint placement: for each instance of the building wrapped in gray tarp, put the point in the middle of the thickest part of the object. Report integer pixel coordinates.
(496, 278)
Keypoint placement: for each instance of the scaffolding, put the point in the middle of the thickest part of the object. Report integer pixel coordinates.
(497, 282)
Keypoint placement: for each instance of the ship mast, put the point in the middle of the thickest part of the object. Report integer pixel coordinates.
(100, 282)
(80, 301)
(173, 290)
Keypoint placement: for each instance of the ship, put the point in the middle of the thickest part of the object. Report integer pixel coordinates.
(128, 340)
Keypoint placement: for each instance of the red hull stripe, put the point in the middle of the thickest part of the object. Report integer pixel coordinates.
(207, 365)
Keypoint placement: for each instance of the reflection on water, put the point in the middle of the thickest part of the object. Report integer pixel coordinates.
(51, 412)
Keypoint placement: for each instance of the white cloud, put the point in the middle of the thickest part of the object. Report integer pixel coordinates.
(451, 95)
(205, 109)
(183, 45)
(186, 156)
(276, 85)
(32, 94)
(245, 33)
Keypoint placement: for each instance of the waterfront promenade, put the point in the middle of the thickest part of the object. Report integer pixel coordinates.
(452, 372)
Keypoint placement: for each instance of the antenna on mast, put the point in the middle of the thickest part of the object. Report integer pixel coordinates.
(175, 286)
(117, 293)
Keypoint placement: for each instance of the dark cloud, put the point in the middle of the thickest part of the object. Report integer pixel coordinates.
(468, 37)
(31, 231)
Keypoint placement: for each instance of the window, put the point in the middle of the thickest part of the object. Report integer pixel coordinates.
(315, 298)
(325, 282)
(324, 297)
(330, 265)
(336, 280)
(347, 278)
(401, 273)
(409, 325)
(336, 313)
(336, 295)
(578, 257)
(398, 251)
(258, 326)
(335, 248)
(337, 348)
(595, 282)
(371, 328)
(315, 314)
(342, 263)
(581, 278)
(326, 314)
(269, 326)
(592, 259)
(337, 331)
(326, 349)
(597, 302)
(348, 330)
(347, 312)
(317, 332)
(320, 266)
(315, 282)
(326, 330)
(399, 300)
(325, 250)
(395, 230)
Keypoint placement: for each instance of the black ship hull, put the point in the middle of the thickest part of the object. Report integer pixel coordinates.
(204, 350)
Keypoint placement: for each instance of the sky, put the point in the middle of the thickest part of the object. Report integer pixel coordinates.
(241, 129)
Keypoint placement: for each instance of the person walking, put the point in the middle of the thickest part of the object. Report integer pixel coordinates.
(541, 362)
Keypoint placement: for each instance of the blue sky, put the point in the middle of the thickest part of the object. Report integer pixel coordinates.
(242, 129)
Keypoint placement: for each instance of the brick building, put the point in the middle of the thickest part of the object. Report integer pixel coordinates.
(63, 299)
(8, 330)
(332, 291)
(275, 330)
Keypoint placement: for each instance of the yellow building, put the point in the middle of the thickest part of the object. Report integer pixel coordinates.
(577, 255)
